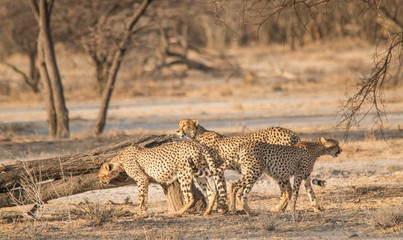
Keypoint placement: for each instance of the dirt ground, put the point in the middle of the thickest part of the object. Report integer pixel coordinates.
(302, 90)
(363, 191)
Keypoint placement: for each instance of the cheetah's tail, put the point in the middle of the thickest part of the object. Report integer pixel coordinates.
(207, 172)
(319, 182)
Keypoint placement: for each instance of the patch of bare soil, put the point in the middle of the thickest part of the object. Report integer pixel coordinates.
(350, 213)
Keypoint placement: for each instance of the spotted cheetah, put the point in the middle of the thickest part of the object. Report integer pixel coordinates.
(164, 164)
(280, 163)
(227, 148)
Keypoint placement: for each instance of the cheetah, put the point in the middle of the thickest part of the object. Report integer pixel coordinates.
(164, 164)
(280, 163)
(227, 148)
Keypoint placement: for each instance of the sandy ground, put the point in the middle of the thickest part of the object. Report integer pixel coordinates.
(302, 90)
(363, 183)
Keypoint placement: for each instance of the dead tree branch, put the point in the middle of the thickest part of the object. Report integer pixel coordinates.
(75, 172)
(38, 181)
(370, 91)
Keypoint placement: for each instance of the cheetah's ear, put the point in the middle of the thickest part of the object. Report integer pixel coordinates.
(196, 122)
(106, 166)
(323, 141)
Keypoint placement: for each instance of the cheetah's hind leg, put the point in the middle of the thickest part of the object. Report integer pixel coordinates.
(233, 188)
(184, 209)
(286, 193)
(311, 195)
(240, 189)
(185, 182)
(208, 193)
(242, 199)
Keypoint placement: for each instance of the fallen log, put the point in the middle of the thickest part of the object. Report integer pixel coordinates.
(77, 164)
(51, 178)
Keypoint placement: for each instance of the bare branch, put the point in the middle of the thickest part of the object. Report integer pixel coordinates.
(31, 82)
(17, 70)
(35, 9)
(370, 92)
(391, 17)
(50, 5)
(115, 65)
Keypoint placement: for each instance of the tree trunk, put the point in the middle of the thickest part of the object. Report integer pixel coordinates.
(78, 173)
(175, 198)
(45, 40)
(102, 74)
(114, 68)
(47, 93)
(34, 77)
(58, 120)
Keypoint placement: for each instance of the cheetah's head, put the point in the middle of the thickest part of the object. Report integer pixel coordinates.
(109, 171)
(188, 128)
(331, 146)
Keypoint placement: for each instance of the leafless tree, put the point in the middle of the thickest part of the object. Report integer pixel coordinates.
(117, 59)
(19, 36)
(179, 34)
(93, 27)
(387, 64)
(58, 120)
(377, 21)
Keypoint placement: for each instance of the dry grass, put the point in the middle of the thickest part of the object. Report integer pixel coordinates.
(26, 195)
(270, 223)
(388, 217)
(29, 193)
(35, 229)
(97, 214)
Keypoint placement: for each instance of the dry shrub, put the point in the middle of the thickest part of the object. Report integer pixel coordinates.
(29, 193)
(394, 168)
(34, 230)
(368, 190)
(151, 235)
(96, 213)
(270, 223)
(388, 217)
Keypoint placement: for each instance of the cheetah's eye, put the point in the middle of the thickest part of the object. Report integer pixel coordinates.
(109, 167)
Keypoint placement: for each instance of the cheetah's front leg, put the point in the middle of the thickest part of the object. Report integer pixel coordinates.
(143, 194)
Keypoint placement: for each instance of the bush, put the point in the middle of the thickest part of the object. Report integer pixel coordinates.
(96, 213)
(388, 217)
